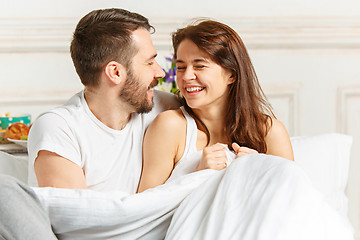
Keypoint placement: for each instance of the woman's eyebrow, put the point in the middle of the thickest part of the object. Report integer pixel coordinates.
(200, 60)
(194, 61)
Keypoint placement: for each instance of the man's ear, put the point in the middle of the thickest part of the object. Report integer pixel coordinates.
(115, 72)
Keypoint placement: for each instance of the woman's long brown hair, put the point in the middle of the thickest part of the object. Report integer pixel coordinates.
(248, 117)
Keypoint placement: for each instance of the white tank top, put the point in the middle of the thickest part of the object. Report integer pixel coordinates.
(191, 157)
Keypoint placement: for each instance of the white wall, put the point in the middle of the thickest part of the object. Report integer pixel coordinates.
(306, 54)
(185, 8)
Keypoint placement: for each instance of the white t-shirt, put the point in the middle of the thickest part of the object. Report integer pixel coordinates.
(111, 159)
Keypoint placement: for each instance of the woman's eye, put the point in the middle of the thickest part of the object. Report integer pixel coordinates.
(180, 68)
(151, 63)
(199, 66)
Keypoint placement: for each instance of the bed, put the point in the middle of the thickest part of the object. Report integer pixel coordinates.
(324, 158)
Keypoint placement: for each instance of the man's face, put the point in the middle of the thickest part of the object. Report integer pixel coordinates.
(142, 74)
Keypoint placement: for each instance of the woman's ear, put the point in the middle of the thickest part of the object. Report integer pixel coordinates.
(231, 78)
(115, 72)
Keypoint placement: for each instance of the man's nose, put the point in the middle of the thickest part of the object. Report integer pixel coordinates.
(159, 73)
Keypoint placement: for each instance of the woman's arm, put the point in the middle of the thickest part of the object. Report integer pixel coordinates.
(278, 141)
(161, 147)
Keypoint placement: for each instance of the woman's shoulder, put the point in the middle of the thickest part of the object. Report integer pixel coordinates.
(170, 119)
(276, 128)
(278, 141)
(169, 130)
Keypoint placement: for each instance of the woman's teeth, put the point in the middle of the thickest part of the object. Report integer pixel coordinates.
(194, 89)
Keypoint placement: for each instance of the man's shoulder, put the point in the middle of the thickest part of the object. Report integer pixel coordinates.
(68, 109)
(61, 117)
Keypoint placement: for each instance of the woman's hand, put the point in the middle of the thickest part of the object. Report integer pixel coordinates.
(213, 157)
(241, 151)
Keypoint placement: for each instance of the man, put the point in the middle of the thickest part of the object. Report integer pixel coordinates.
(95, 140)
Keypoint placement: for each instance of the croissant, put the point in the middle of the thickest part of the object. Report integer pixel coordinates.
(18, 131)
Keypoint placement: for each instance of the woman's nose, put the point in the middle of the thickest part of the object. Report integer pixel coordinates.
(189, 74)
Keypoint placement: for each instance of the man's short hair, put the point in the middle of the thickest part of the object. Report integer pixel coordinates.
(102, 36)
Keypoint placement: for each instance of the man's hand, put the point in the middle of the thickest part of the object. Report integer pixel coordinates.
(213, 157)
(241, 151)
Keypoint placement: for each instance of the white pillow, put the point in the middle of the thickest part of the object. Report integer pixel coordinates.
(325, 158)
(15, 166)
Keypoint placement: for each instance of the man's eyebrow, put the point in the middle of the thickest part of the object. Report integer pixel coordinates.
(152, 57)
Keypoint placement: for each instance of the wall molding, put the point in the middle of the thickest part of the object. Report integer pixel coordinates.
(348, 116)
(345, 94)
(34, 102)
(54, 34)
(35, 98)
(288, 95)
(19, 95)
(24, 102)
(286, 99)
(283, 32)
(35, 35)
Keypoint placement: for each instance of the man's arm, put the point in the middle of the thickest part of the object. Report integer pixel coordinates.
(53, 170)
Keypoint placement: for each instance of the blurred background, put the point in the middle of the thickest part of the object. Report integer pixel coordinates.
(306, 54)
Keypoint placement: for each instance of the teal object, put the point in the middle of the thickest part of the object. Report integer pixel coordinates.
(6, 121)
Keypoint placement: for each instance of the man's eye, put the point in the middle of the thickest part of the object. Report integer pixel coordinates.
(180, 68)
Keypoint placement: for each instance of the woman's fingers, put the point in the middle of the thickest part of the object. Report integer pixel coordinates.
(247, 150)
(216, 151)
(241, 151)
(236, 147)
(222, 164)
(214, 157)
(215, 147)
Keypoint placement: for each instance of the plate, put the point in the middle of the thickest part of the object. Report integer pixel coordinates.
(22, 143)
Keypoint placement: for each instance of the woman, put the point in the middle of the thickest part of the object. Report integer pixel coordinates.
(223, 103)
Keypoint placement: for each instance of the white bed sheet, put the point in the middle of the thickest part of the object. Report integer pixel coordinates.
(257, 197)
(325, 158)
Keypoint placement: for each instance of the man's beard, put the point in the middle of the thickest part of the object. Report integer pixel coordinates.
(135, 94)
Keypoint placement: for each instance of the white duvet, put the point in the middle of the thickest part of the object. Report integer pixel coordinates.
(256, 197)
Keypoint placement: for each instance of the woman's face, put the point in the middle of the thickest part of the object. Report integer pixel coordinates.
(201, 81)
